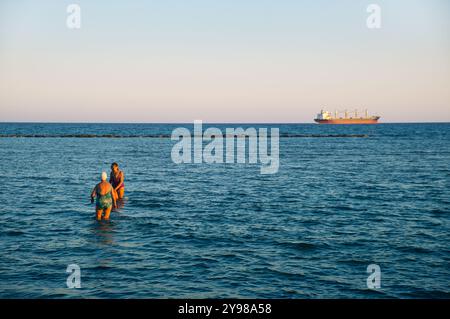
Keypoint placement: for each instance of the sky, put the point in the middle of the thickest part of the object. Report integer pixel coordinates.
(254, 61)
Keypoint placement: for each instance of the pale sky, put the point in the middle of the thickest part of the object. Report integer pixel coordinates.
(223, 61)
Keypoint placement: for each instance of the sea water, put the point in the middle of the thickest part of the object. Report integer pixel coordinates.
(335, 206)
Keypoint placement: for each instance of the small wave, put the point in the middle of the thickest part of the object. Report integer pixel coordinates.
(39, 202)
(344, 207)
(146, 222)
(415, 249)
(285, 273)
(99, 267)
(438, 212)
(145, 204)
(39, 178)
(300, 245)
(353, 262)
(14, 233)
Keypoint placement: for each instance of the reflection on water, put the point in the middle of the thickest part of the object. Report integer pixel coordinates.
(103, 232)
(103, 240)
(120, 204)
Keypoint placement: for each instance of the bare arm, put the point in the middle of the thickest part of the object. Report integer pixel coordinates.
(114, 196)
(120, 181)
(94, 192)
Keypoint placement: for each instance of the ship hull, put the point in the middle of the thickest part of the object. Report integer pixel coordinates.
(348, 121)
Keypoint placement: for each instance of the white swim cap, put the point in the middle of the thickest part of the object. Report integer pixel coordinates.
(104, 176)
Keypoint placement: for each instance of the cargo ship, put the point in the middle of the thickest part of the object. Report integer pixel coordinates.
(345, 117)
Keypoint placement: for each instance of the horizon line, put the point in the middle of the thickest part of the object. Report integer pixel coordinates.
(207, 122)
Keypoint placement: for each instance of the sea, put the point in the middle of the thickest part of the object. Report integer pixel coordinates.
(346, 199)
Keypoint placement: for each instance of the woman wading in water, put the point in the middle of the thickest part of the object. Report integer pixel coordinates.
(116, 179)
(105, 196)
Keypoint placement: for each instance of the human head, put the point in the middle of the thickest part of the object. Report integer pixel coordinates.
(114, 166)
(104, 176)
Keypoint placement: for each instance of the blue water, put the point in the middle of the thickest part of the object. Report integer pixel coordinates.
(198, 230)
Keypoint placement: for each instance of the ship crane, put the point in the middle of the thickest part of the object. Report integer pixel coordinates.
(349, 114)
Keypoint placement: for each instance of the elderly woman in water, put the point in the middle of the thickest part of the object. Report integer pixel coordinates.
(105, 196)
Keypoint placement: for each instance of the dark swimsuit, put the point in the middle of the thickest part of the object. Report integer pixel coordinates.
(115, 182)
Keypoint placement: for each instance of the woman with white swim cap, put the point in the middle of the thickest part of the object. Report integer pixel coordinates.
(105, 197)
